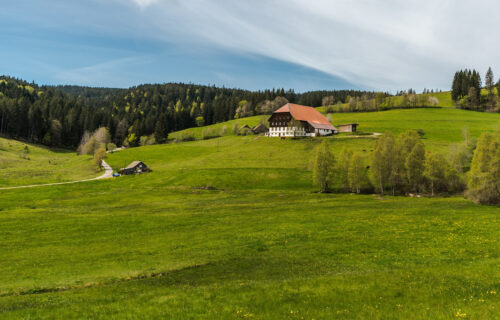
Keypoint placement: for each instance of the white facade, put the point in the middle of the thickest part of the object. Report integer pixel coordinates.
(296, 132)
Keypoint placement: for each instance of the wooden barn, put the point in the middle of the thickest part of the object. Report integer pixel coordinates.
(293, 120)
(260, 128)
(134, 168)
(351, 127)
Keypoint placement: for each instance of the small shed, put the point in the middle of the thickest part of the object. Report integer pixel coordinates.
(135, 167)
(351, 127)
(245, 126)
(260, 128)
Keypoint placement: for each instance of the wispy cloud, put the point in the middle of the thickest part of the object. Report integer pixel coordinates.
(380, 44)
(383, 44)
(144, 3)
(101, 73)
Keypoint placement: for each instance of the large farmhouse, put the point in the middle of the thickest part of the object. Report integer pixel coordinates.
(293, 120)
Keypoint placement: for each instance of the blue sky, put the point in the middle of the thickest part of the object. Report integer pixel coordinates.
(304, 45)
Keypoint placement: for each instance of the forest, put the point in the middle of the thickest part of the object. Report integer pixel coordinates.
(61, 115)
(468, 93)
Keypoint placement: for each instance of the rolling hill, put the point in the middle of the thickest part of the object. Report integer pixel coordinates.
(232, 228)
(24, 163)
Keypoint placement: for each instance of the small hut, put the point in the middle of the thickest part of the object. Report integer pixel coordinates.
(351, 127)
(135, 167)
(260, 128)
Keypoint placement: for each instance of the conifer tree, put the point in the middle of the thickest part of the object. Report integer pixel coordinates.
(161, 129)
(489, 81)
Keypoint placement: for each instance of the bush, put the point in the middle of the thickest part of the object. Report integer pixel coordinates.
(223, 131)
(236, 129)
(246, 132)
(147, 140)
(111, 146)
(184, 137)
(209, 133)
(91, 142)
(99, 155)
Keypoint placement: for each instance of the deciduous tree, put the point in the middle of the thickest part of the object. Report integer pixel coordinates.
(323, 167)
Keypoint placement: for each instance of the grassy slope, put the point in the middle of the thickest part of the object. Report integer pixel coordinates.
(442, 127)
(262, 245)
(40, 165)
(444, 100)
(197, 132)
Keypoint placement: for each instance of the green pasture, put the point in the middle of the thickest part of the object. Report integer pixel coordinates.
(232, 228)
(39, 164)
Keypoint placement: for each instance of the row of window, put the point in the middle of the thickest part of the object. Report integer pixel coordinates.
(285, 129)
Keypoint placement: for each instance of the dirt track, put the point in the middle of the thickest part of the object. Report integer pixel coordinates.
(107, 174)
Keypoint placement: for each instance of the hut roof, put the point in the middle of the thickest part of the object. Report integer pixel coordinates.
(260, 126)
(133, 164)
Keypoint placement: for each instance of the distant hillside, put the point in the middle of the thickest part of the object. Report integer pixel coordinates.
(91, 92)
(382, 102)
(60, 115)
(25, 164)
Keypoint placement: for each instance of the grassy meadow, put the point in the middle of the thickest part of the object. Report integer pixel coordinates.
(39, 164)
(231, 228)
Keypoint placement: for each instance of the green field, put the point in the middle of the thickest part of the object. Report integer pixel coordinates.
(38, 164)
(443, 98)
(231, 228)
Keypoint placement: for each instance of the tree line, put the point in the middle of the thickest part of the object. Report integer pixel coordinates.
(468, 93)
(382, 101)
(401, 166)
(63, 115)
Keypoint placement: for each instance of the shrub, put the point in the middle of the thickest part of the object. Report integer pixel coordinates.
(99, 155)
(236, 129)
(209, 133)
(111, 146)
(246, 132)
(184, 137)
(223, 131)
(91, 142)
(147, 140)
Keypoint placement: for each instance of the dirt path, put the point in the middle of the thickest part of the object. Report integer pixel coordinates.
(107, 174)
(371, 136)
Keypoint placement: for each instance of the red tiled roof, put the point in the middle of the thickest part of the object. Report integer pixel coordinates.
(309, 114)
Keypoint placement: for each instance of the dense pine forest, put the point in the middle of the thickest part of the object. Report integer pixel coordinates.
(468, 92)
(61, 115)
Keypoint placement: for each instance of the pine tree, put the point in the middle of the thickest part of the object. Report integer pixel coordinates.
(455, 87)
(161, 131)
(489, 81)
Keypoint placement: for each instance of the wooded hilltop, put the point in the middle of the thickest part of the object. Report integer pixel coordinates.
(60, 116)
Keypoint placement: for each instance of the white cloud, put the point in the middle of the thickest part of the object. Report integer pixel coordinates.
(144, 3)
(381, 44)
